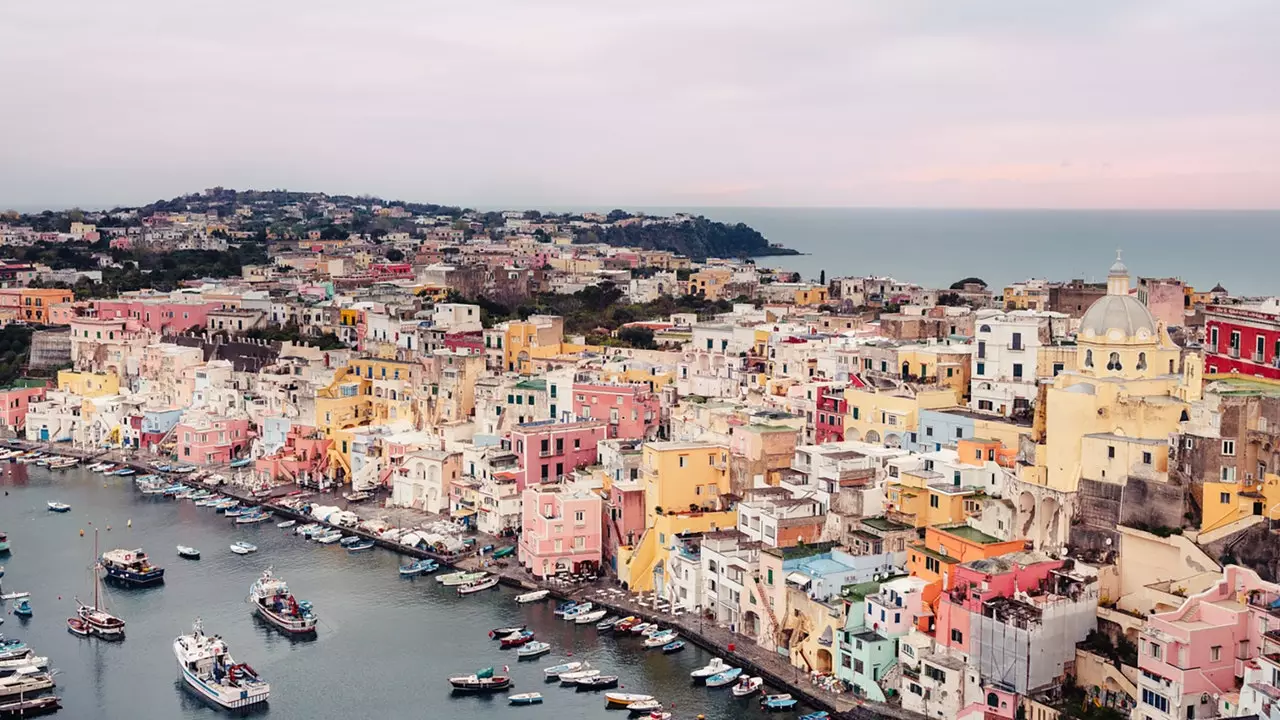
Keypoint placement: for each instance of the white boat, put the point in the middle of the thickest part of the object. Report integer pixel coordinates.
(188, 552)
(273, 602)
(584, 670)
(534, 596)
(286, 524)
(28, 660)
(573, 612)
(716, 667)
(476, 586)
(328, 538)
(14, 595)
(591, 617)
(525, 698)
(747, 685)
(728, 677)
(626, 700)
(58, 507)
(556, 671)
(209, 670)
(660, 639)
(533, 649)
(243, 548)
(460, 578)
(26, 680)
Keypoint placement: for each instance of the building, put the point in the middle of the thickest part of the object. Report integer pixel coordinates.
(561, 530)
(632, 410)
(1243, 339)
(1168, 299)
(1007, 345)
(550, 450)
(211, 440)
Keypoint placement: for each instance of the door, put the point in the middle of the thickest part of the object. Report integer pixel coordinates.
(44, 434)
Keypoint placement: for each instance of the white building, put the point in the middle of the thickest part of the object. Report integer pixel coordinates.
(1006, 346)
(728, 560)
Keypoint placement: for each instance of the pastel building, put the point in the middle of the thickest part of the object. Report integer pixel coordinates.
(561, 530)
(13, 405)
(550, 450)
(210, 440)
(158, 314)
(632, 410)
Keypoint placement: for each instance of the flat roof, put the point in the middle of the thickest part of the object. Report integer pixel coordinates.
(971, 534)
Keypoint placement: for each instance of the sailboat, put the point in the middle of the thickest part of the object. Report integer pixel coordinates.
(94, 619)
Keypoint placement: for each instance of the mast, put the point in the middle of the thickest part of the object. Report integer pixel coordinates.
(96, 601)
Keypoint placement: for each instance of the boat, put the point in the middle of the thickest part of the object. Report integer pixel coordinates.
(625, 699)
(660, 639)
(124, 471)
(273, 602)
(599, 682)
(728, 677)
(22, 608)
(4, 542)
(63, 463)
(504, 552)
(525, 698)
(589, 618)
(31, 708)
(563, 608)
(256, 516)
(243, 548)
(209, 670)
(306, 530)
(642, 628)
(21, 659)
(607, 623)
(715, 667)
(14, 595)
(30, 458)
(820, 715)
(533, 650)
(487, 583)
(777, 702)
(25, 681)
(328, 538)
(131, 567)
(189, 553)
(648, 708)
(531, 597)
(460, 578)
(626, 623)
(674, 646)
(573, 677)
(419, 567)
(350, 540)
(516, 639)
(658, 715)
(361, 546)
(99, 622)
(241, 462)
(286, 524)
(77, 626)
(235, 512)
(555, 671)
(357, 497)
(499, 633)
(59, 507)
(747, 686)
(580, 609)
(483, 681)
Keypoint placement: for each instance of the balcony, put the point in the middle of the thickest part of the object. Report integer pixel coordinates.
(1259, 358)
(1233, 352)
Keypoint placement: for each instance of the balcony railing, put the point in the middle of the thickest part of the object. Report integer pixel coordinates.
(1233, 352)
(1259, 358)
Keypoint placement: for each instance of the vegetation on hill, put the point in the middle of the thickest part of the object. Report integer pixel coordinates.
(698, 238)
(139, 269)
(15, 346)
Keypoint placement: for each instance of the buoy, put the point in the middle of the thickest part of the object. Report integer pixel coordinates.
(81, 532)
(130, 523)
(108, 528)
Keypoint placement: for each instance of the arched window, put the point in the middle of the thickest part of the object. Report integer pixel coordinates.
(993, 700)
(1113, 363)
(985, 329)
(1142, 361)
(1088, 358)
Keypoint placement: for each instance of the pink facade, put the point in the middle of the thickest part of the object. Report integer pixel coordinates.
(13, 405)
(157, 315)
(561, 530)
(976, 582)
(549, 450)
(624, 518)
(213, 441)
(304, 457)
(632, 410)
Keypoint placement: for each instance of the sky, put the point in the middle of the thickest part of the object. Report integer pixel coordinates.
(495, 103)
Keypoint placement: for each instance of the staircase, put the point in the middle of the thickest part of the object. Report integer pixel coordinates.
(768, 608)
(892, 679)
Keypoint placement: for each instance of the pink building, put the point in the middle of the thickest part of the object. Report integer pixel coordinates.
(211, 440)
(159, 315)
(631, 409)
(1193, 656)
(561, 530)
(550, 450)
(13, 406)
(625, 518)
(978, 581)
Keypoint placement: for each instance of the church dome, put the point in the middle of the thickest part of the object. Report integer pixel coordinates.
(1122, 314)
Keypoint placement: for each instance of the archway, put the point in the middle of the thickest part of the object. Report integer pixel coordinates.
(853, 434)
(873, 436)
(751, 624)
(824, 661)
(1049, 524)
(892, 440)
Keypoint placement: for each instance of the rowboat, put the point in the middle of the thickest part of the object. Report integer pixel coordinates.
(607, 623)
(525, 699)
(189, 553)
(591, 617)
(820, 715)
(476, 586)
(674, 646)
(580, 609)
(747, 686)
(660, 639)
(59, 507)
(460, 578)
(577, 676)
(777, 702)
(243, 548)
(286, 524)
(533, 650)
(563, 608)
(626, 623)
(503, 552)
(516, 639)
(725, 678)
(360, 546)
(534, 596)
(651, 709)
(499, 633)
(556, 670)
(622, 700)
(599, 682)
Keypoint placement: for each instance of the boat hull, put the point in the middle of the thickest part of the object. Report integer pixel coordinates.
(136, 579)
(296, 627)
(488, 685)
(225, 698)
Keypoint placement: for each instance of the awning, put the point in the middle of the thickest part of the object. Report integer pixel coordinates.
(463, 513)
(799, 579)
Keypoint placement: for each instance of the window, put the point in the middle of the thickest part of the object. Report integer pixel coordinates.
(957, 636)
(1155, 700)
(1154, 650)
(934, 673)
(1215, 653)
(1088, 358)
(932, 564)
(855, 413)
(982, 350)
(1058, 368)
(1228, 447)
(684, 460)
(1017, 370)
(928, 432)
(1213, 338)
(1146, 458)
(1224, 498)
(1017, 341)
(579, 542)
(959, 432)
(1111, 452)
(580, 517)
(982, 368)
(1142, 361)
(933, 501)
(1113, 362)
(1228, 474)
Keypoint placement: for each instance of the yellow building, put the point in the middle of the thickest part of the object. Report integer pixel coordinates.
(86, 384)
(368, 391)
(814, 295)
(539, 337)
(1227, 502)
(886, 416)
(924, 498)
(683, 485)
(711, 283)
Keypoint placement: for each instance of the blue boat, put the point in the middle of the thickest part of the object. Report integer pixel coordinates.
(131, 566)
(59, 507)
(362, 545)
(777, 702)
(124, 471)
(820, 715)
(241, 463)
(673, 647)
(725, 678)
(22, 608)
(565, 607)
(419, 567)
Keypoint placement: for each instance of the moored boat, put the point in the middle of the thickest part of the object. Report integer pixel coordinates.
(31, 708)
(607, 623)
(357, 497)
(660, 639)
(499, 633)
(747, 686)
(22, 608)
(504, 552)
(483, 681)
(208, 669)
(674, 646)
(820, 715)
(728, 677)
(4, 542)
(533, 650)
(189, 553)
(777, 702)
(577, 610)
(419, 567)
(651, 709)
(590, 617)
(715, 667)
(328, 537)
(642, 628)
(25, 681)
(531, 597)
(286, 524)
(556, 670)
(132, 567)
(255, 516)
(563, 608)
(599, 682)
(361, 546)
(306, 530)
(516, 639)
(25, 659)
(525, 698)
(461, 577)
(621, 700)
(486, 583)
(59, 507)
(626, 623)
(243, 548)
(273, 602)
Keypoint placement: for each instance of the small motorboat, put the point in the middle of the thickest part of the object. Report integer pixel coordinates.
(243, 548)
(123, 472)
(476, 586)
(360, 546)
(674, 646)
(642, 628)
(728, 677)
(328, 538)
(189, 553)
(516, 639)
(499, 633)
(235, 512)
(357, 497)
(525, 698)
(306, 530)
(715, 667)
(22, 608)
(350, 540)
(662, 638)
(286, 524)
(820, 715)
(599, 682)
(59, 507)
(563, 608)
(625, 700)
(577, 610)
(534, 596)
(777, 702)
(626, 623)
(78, 626)
(591, 617)
(747, 686)
(461, 577)
(577, 676)
(608, 623)
(418, 567)
(533, 650)
(15, 595)
(555, 671)
(256, 516)
(31, 708)
(483, 681)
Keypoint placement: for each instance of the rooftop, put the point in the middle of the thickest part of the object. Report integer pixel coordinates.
(971, 534)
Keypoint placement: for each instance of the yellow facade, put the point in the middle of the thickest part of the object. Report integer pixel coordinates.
(525, 341)
(87, 384)
(876, 416)
(1227, 502)
(816, 295)
(711, 283)
(914, 502)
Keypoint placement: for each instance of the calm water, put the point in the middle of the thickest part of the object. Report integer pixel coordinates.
(938, 247)
(385, 645)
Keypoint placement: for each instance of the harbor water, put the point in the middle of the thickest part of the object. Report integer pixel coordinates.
(385, 645)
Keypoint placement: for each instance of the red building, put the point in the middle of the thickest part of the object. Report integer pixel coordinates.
(468, 342)
(828, 425)
(1243, 339)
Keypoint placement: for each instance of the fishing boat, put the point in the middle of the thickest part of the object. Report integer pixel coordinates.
(357, 497)
(516, 639)
(63, 463)
(243, 548)
(504, 552)
(250, 518)
(660, 639)
(777, 702)
(728, 677)
(525, 698)
(715, 667)
(577, 676)
(590, 617)
(533, 650)
(555, 671)
(328, 537)
(209, 670)
(59, 507)
(99, 622)
(286, 524)
(131, 567)
(460, 578)
(599, 682)
(532, 597)
(31, 708)
(625, 700)
(487, 583)
(273, 602)
(747, 686)
(361, 546)
(608, 623)
(626, 623)
(419, 567)
(483, 681)
(22, 608)
(674, 646)
(189, 553)
(820, 715)
(25, 681)
(579, 609)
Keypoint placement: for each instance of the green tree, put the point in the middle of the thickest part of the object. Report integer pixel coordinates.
(637, 337)
(395, 255)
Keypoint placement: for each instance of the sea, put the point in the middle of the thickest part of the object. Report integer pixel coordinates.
(1239, 249)
(384, 649)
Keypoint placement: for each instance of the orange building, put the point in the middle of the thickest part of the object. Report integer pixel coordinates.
(35, 303)
(947, 546)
